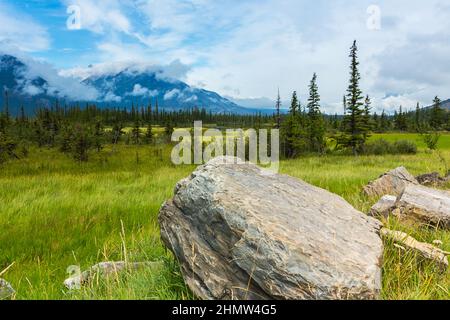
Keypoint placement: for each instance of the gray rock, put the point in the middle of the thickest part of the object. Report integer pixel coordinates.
(104, 270)
(426, 205)
(432, 179)
(6, 290)
(392, 182)
(239, 233)
(383, 207)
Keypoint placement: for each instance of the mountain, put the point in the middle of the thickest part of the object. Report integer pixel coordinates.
(446, 104)
(130, 87)
(21, 88)
(33, 84)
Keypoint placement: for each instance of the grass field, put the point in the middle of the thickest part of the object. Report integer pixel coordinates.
(55, 213)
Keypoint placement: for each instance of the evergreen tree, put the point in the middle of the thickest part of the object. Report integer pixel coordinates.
(289, 128)
(6, 107)
(278, 107)
(117, 132)
(367, 119)
(315, 124)
(136, 133)
(81, 143)
(294, 104)
(149, 134)
(169, 130)
(417, 118)
(437, 115)
(354, 127)
(98, 136)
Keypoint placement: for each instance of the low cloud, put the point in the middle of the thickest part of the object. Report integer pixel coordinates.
(140, 91)
(172, 71)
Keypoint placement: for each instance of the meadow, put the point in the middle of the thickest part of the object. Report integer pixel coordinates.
(55, 212)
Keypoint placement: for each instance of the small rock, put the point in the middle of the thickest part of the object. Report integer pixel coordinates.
(392, 182)
(431, 179)
(383, 207)
(6, 290)
(105, 270)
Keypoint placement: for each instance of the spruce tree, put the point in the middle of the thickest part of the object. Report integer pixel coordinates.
(367, 119)
(278, 107)
(437, 115)
(149, 134)
(98, 136)
(417, 118)
(136, 132)
(315, 123)
(354, 128)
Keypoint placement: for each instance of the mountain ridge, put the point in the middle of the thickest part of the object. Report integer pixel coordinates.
(118, 89)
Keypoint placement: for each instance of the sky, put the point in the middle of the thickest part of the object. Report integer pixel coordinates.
(246, 49)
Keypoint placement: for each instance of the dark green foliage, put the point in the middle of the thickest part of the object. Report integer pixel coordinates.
(169, 129)
(117, 132)
(149, 134)
(431, 140)
(7, 147)
(382, 147)
(81, 143)
(136, 133)
(99, 133)
(437, 115)
(354, 126)
(315, 123)
(405, 147)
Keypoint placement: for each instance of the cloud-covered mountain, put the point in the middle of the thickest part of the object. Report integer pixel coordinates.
(32, 83)
(137, 87)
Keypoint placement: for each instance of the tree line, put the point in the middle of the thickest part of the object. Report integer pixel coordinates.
(306, 129)
(77, 130)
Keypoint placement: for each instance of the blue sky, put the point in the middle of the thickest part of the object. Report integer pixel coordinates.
(246, 49)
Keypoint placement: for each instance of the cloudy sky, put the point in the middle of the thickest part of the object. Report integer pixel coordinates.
(246, 49)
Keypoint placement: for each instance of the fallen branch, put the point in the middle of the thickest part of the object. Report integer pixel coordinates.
(425, 250)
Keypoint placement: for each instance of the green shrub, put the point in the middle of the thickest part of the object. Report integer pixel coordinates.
(382, 147)
(378, 147)
(431, 140)
(405, 147)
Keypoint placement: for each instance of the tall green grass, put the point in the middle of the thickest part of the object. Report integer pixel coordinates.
(55, 213)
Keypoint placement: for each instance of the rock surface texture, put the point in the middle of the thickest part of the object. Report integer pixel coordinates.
(6, 291)
(432, 179)
(383, 207)
(392, 182)
(240, 233)
(426, 205)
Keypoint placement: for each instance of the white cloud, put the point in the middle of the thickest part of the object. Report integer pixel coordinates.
(20, 31)
(172, 94)
(101, 16)
(139, 91)
(247, 49)
(32, 90)
(111, 97)
(172, 71)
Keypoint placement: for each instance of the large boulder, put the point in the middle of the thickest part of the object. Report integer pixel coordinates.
(426, 205)
(392, 182)
(240, 233)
